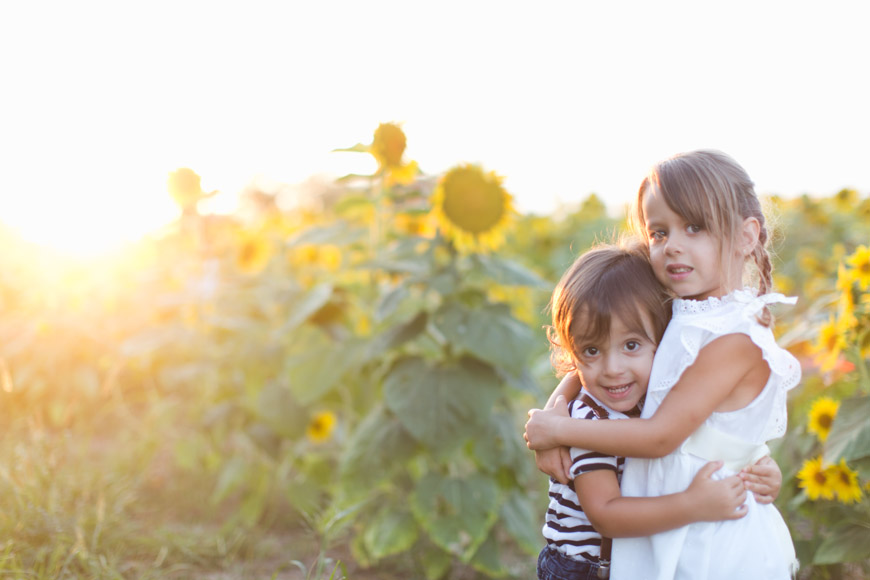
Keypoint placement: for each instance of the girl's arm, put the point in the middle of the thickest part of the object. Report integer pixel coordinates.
(569, 387)
(615, 516)
(556, 462)
(718, 371)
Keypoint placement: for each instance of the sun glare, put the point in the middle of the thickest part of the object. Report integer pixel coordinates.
(87, 224)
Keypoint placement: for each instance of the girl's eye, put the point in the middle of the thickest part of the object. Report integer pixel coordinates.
(657, 235)
(693, 229)
(632, 345)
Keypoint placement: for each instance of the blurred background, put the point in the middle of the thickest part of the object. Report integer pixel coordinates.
(274, 276)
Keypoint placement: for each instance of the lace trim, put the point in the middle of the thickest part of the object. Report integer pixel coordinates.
(747, 295)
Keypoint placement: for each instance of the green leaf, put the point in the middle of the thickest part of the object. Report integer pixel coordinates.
(500, 443)
(848, 543)
(850, 434)
(507, 272)
(379, 446)
(389, 302)
(314, 364)
(392, 531)
(233, 474)
(353, 202)
(358, 148)
(339, 233)
(489, 333)
(487, 558)
(456, 512)
(522, 521)
(313, 373)
(313, 301)
(440, 405)
(435, 562)
(265, 438)
(278, 409)
(397, 335)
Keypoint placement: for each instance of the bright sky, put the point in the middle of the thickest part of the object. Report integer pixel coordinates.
(101, 100)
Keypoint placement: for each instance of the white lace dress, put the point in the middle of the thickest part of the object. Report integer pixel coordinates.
(757, 545)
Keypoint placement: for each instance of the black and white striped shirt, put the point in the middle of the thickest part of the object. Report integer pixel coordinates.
(567, 528)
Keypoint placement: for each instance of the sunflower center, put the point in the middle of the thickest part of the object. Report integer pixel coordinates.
(473, 203)
(318, 426)
(825, 421)
(820, 478)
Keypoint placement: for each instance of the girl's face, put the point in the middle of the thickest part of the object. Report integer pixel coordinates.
(616, 372)
(685, 257)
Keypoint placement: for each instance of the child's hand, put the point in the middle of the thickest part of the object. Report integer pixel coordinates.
(556, 463)
(717, 500)
(541, 426)
(763, 479)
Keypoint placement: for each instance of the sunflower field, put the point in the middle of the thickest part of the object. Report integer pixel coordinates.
(336, 387)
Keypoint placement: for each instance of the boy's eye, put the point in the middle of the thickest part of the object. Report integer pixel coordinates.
(590, 351)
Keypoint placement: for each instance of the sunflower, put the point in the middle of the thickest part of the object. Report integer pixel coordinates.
(253, 253)
(321, 426)
(415, 224)
(184, 187)
(846, 199)
(388, 149)
(822, 415)
(829, 345)
(814, 478)
(860, 262)
(388, 145)
(845, 482)
(472, 208)
(847, 300)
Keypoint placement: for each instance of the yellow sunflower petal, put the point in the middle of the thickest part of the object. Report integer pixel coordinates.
(845, 483)
(472, 208)
(321, 426)
(403, 174)
(814, 479)
(860, 263)
(829, 345)
(253, 253)
(821, 417)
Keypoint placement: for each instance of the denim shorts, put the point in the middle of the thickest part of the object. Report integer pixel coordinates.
(555, 565)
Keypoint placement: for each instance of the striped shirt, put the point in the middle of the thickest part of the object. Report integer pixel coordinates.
(567, 528)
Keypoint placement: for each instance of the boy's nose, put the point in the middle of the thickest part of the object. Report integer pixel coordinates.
(612, 364)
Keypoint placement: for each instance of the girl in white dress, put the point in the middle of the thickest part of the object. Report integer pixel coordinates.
(718, 385)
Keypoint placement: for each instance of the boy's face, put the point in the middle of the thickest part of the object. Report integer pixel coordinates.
(617, 371)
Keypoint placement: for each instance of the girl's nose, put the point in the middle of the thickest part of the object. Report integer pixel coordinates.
(673, 245)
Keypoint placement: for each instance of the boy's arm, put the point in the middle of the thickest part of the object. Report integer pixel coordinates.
(701, 389)
(556, 462)
(615, 516)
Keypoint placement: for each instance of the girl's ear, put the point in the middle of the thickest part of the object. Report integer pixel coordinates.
(749, 233)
